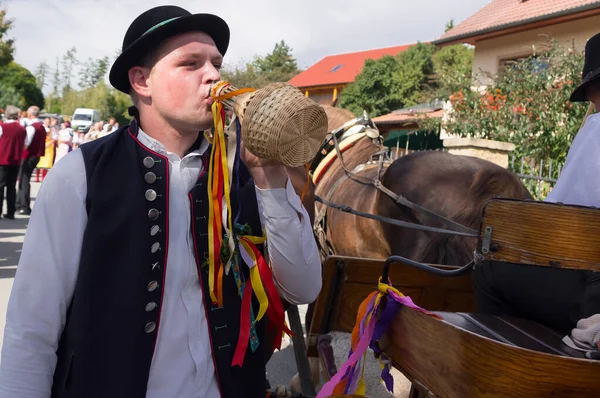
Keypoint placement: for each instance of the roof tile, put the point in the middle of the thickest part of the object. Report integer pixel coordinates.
(502, 12)
(340, 69)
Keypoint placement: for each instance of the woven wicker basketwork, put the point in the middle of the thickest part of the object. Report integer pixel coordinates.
(279, 123)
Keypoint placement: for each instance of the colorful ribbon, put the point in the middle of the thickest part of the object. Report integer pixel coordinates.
(223, 172)
(219, 201)
(372, 321)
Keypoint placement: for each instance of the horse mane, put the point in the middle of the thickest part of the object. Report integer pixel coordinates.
(336, 117)
(488, 183)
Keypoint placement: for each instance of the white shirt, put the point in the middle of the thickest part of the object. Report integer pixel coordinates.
(578, 180)
(27, 140)
(30, 131)
(182, 365)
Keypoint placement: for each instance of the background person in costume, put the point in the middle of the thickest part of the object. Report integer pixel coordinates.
(558, 298)
(127, 312)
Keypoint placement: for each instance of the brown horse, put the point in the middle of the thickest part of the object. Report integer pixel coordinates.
(456, 187)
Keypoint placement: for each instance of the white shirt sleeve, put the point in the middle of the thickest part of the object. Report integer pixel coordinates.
(44, 282)
(292, 248)
(30, 134)
(577, 183)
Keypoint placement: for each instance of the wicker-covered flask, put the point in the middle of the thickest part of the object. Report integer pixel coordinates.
(278, 122)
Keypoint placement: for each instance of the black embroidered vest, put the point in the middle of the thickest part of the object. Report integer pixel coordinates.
(113, 320)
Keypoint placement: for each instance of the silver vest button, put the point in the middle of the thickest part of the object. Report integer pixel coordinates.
(150, 327)
(150, 177)
(152, 286)
(155, 247)
(148, 162)
(153, 214)
(150, 195)
(154, 230)
(151, 306)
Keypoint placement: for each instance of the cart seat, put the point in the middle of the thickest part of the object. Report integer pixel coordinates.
(513, 331)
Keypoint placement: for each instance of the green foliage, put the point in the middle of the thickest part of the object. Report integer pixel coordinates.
(69, 61)
(244, 75)
(41, 74)
(7, 47)
(92, 72)
(277, 66)
(415, 73)
(23, 83)
(452, 66)
(375, 89)
(9, 96)
(108, 101)
(395, 82)
(528, 105)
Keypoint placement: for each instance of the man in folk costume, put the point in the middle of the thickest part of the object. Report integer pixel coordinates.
(143, 306)
(567, 300)
(13, 139)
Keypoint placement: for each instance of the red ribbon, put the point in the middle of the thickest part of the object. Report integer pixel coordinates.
(275, 310)
(245, 325)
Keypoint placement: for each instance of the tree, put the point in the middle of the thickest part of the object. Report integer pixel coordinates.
(452, 70)
(41, 73)
(449, 25)
(244, 75)
(7, 48)
(277, 66)
(374, 89)
(69, 62)
(415, 73)
(9, 96)
(19, 79)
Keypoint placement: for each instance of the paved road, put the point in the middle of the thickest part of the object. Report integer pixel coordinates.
(12, 233)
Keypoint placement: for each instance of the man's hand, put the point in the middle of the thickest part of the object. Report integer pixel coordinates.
(266, 173)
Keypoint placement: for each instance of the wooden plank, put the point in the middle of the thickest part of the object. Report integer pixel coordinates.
(542, 234)
(454, 363)
(359, 277)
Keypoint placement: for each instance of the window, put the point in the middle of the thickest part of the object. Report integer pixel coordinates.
(536, 64)
(336, 68)
(80, 116)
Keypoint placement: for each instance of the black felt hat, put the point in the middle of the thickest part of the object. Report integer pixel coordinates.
(152, 27)
(591, 68)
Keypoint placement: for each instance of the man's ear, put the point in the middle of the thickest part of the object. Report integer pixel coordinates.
(138, 79)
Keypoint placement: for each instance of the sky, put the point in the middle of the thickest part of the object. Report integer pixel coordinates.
(314, 29)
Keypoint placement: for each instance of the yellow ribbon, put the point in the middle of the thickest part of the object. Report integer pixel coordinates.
(257, 285)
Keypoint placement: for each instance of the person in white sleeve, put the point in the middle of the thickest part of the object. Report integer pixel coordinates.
(113, 291)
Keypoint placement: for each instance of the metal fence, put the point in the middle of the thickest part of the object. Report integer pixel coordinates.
(539, 177)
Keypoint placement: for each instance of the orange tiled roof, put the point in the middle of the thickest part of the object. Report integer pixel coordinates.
(340, 69)
(499, 14)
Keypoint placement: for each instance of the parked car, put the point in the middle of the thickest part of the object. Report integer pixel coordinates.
(84, 117)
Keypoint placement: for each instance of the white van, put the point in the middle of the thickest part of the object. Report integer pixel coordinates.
(84, 117)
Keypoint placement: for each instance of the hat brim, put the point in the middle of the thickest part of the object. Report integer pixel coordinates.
(210, 24)
(578, 94)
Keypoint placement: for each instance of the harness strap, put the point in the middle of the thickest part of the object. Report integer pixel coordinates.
(348, 209)
(401, 200)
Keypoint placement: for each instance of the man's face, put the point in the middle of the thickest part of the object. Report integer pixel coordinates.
(180, 81)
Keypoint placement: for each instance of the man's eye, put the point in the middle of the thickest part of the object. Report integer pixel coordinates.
(217, 66)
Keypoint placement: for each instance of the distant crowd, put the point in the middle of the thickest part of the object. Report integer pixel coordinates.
(29, 143)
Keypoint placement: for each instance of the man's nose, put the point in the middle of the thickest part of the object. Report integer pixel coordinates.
(213, 74)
